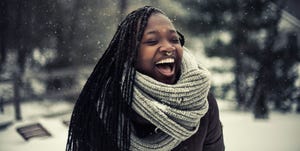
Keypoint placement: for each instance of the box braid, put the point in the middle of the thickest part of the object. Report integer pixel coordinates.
(100, 119)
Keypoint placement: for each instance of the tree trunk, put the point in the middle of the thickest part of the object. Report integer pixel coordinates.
(3, 30)
(260, 93)
(23, 43)
(298, 105)
(17, 97)
(239, 42)
(66, 34)
(265, 74)
(239, 93)
(261, 109)
(123, 8)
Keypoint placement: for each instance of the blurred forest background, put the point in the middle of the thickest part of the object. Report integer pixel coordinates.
(49, 48)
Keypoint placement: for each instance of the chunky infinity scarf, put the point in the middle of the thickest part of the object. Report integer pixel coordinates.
(175, 110)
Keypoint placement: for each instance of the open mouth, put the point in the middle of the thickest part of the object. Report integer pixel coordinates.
(166, 66)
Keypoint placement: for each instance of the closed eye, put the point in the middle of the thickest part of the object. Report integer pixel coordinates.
(151, 42)
(175, 40)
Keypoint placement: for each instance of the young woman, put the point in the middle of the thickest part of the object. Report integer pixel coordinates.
(146, 93)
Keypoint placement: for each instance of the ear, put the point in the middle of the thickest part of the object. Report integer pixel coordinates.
(181, 38)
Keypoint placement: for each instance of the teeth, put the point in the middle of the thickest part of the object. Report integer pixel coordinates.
(168, 60)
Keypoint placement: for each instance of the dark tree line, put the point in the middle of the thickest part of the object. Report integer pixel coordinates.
(75, 31)
(253, 27)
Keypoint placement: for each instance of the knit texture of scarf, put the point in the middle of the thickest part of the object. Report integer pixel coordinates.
(175, 110)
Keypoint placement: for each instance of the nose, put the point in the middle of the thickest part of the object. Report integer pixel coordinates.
(167, 48)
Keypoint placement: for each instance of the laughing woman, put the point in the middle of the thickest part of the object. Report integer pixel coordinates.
(146, 93)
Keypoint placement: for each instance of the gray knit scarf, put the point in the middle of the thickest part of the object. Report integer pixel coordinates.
(175, 110)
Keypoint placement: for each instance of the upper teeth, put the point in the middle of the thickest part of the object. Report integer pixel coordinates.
(168, 60)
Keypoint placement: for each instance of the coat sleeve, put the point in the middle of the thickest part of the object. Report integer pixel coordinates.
(214, 139)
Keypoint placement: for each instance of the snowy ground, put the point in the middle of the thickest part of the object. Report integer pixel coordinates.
(241, 131)
(49, 115)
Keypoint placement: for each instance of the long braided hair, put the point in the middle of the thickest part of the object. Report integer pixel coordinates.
(100, 119)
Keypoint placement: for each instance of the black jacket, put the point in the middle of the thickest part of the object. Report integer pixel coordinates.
(209, 137)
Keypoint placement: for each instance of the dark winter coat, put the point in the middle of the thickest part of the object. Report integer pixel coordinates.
(209, 137)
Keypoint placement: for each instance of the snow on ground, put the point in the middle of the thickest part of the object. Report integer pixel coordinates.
(241, 131)
(49, 115)
(244, 133)
(10, 140)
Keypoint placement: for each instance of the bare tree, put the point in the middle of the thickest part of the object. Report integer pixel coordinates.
(3, 32)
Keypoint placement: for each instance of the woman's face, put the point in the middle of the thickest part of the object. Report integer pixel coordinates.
(160, 52)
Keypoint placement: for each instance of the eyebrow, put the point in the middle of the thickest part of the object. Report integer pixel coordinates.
(156, 31)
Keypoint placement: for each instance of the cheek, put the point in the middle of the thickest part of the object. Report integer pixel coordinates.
(180, 52)
(144, 60)
(139, 62)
